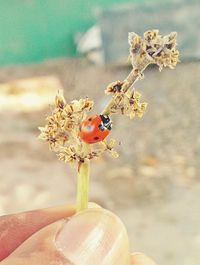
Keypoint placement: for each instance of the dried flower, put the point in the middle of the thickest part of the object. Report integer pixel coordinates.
(127, 102)
(135, 106)
(108, 145)
(114, 87)
(154, 48)
(62, 131)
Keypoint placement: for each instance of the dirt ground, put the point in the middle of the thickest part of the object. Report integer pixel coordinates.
(153, 186)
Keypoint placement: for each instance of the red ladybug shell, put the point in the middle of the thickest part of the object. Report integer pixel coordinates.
(92, 130)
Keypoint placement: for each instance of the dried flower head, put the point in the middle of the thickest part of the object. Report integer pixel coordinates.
(62, 131)
(127, 103)
(63, 125)
(154, 48)
(136, 107)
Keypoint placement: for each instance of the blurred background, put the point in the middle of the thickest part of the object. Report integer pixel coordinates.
(81, 46)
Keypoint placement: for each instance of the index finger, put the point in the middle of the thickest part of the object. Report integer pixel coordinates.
(16, 228)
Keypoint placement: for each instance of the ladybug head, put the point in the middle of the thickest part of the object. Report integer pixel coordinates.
(106, 121)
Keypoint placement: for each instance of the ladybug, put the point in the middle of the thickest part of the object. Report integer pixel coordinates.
(95, 128)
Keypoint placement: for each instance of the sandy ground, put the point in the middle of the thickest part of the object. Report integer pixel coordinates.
(154, 186)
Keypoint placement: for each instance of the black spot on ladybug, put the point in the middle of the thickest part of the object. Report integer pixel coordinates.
(101, 127)
(96, 138)
(89, 119)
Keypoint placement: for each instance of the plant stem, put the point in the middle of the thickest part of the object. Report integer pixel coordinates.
(83, 186)
(128, 82)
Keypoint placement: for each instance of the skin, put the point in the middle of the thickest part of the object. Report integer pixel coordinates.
(59, 236)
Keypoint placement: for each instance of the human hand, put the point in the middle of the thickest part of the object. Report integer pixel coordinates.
(58, 236)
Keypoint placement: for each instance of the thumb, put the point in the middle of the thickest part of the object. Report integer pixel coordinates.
(94, 236)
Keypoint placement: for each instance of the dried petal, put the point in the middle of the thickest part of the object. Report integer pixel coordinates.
(114, 154)
(60, 101)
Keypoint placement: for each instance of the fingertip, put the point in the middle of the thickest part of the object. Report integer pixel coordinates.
(17, 228)
(95, 235)
(92, 205)
(141, 259)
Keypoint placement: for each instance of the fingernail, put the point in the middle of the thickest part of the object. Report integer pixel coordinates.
(95, 236)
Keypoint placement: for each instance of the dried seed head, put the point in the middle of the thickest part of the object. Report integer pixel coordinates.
(108, 145)
(136, 108)
(62, 131)
(62, 128)
(154, 49)
(127, 103)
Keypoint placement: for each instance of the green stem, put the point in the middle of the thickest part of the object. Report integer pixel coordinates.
(83, 186)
